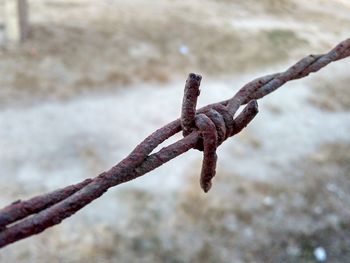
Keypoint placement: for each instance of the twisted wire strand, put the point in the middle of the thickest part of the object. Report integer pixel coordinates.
(263, 86)
(22, 219)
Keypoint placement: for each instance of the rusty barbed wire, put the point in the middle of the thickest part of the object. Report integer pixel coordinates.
(204, 129)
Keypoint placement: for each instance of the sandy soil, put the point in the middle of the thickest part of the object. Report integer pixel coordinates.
(94, 79)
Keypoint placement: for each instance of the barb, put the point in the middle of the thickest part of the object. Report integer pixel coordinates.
(203, 129)
(188, 111)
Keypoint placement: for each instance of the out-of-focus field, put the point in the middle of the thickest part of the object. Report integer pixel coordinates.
(82, 46)
(96, 77)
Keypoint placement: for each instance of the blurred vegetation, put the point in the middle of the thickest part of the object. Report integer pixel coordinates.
(121, 47)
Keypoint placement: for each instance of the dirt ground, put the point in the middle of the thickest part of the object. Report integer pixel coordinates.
(81, 46)
(95, 78)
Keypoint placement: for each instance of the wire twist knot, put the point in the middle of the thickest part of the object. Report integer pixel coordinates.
(215, 124)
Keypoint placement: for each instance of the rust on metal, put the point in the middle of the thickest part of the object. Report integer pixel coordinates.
(189, 103)
(210, 143)
(204, 129)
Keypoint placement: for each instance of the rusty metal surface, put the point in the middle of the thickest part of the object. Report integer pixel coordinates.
(205, 130)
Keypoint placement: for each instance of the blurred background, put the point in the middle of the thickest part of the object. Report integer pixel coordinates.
(93, 78)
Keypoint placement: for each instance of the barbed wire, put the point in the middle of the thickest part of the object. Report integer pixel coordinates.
(204, 129)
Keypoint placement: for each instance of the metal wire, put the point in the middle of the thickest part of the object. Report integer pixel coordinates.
(204, 129)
